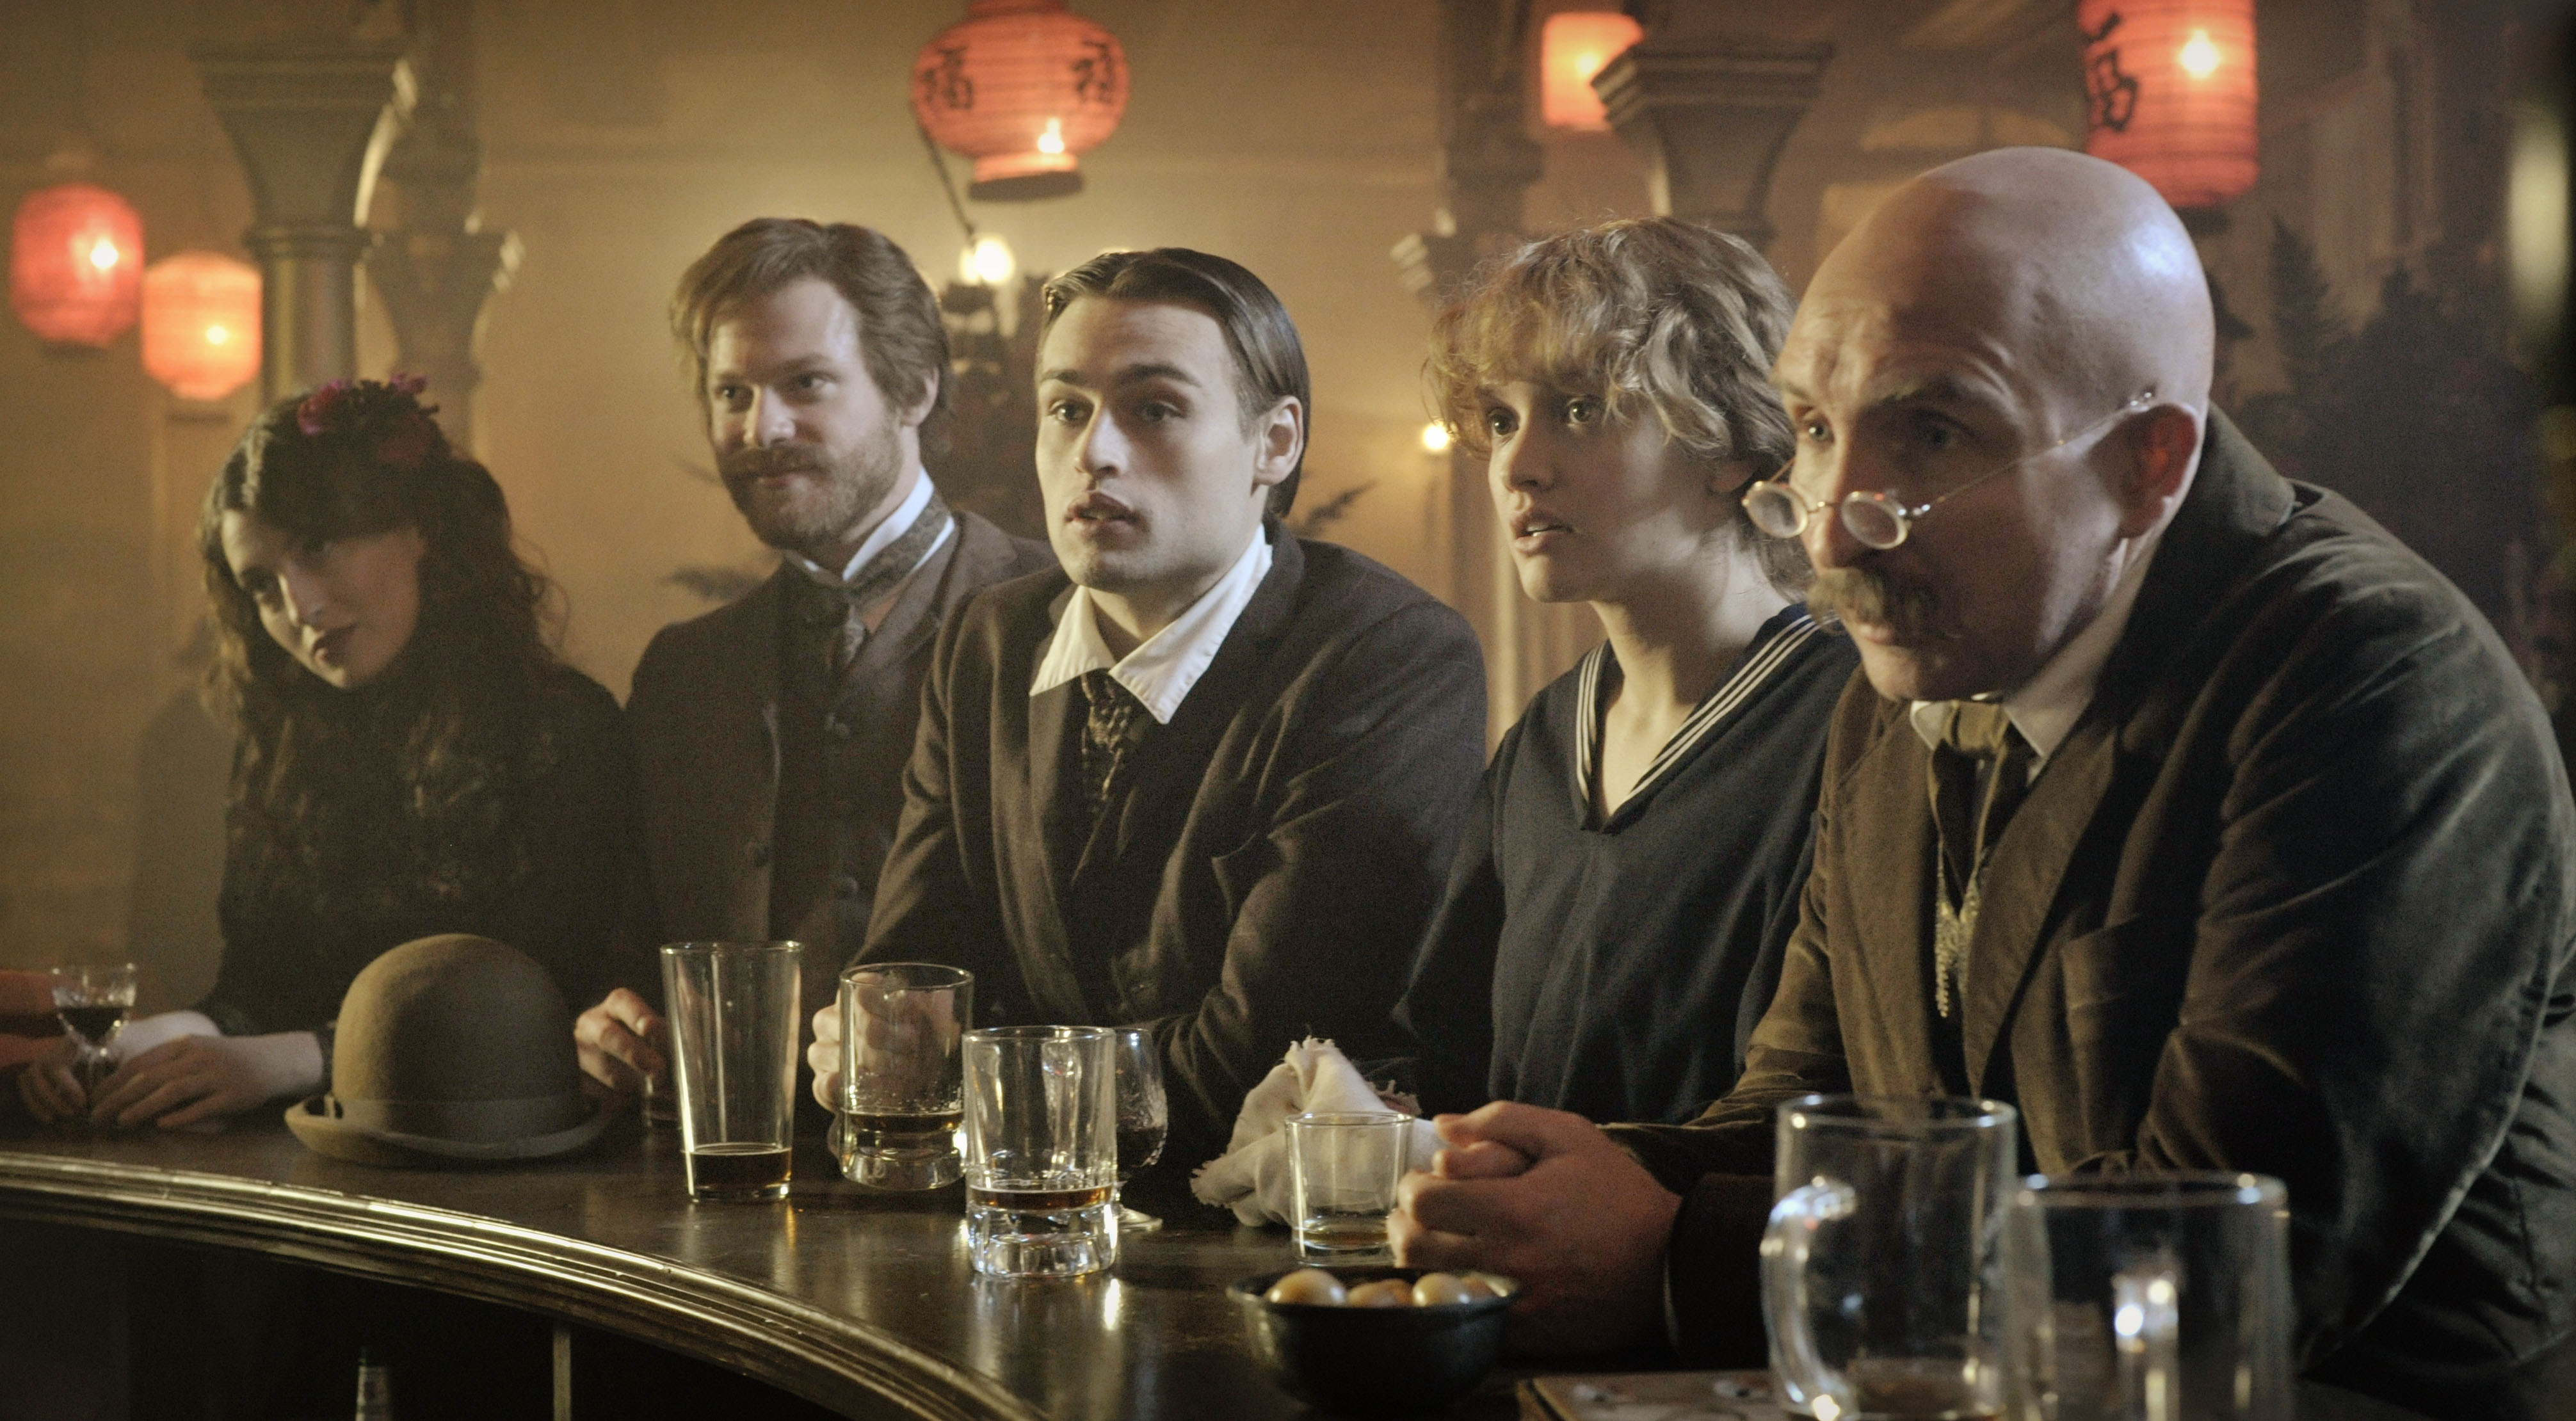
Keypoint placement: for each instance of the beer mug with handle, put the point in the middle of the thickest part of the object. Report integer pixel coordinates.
(2150, 1297)
(1882, 1268)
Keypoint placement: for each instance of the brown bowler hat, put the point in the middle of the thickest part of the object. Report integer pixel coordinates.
(452, 1049)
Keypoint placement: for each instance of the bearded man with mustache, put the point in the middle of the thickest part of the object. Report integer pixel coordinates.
(771, 734)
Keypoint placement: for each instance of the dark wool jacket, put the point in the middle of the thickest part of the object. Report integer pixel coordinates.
(765, 807)
(1270, 871)
(2293, 897)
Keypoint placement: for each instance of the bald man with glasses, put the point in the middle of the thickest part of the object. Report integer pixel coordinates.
(2176, 804)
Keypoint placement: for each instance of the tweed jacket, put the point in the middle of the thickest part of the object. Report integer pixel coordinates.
(2292, 897)
(709, 744)
(1269, 875)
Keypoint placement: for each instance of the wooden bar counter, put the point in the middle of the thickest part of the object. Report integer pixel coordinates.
(861, 1302)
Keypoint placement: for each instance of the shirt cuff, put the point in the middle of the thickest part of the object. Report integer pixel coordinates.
(1713, 1273)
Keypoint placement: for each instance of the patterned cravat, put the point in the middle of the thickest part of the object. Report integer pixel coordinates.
(1108, 733)
(845, 606)
(1981, 745)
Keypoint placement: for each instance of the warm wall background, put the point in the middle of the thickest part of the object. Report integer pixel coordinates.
(620, 137)
(1298, 136)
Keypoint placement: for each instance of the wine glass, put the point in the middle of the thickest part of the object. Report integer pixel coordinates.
(92, 1003)
(1144, 1115)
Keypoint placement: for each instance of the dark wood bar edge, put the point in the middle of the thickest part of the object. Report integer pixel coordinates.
(822, 1355)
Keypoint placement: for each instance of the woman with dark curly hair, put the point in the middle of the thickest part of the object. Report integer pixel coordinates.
(413, 757)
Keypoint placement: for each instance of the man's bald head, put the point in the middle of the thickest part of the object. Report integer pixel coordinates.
(2025, 338)
(2073, 264)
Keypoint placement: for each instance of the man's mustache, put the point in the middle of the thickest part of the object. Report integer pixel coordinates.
(1867, 595)
(745, 464)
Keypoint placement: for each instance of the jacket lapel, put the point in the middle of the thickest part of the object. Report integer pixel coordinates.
(2235, 501)
(1177, 755)
(740, 777)
(1054, 722)
(2021, 883)
(1884, 811)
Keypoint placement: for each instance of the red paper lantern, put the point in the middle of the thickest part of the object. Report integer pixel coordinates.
(201, 324)
(2171, 90)
(1572, 47)
(76, 264)
(1021, 87)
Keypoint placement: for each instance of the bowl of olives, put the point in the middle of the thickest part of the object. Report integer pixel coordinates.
(1375, 1341)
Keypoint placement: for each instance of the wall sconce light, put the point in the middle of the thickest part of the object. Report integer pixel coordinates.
(1573, 46)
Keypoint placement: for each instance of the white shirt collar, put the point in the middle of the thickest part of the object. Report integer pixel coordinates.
(2045, 708)
(894, 525)
(1160, 672)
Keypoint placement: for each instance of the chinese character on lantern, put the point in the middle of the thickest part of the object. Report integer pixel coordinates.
(1022, 87)
(1573, 47)
(76, 264)
(201, 324)
(2169, 85)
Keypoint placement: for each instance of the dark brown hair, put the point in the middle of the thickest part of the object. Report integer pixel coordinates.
(308, 791)
(1269, 362)
(900, 336)
(1661, 313)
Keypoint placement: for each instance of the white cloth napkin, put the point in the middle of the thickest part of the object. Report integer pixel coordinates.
(144, 1033)
(1313, 1078)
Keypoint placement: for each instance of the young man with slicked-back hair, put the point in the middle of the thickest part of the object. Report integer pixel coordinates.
(1207, 777)
(771, 734)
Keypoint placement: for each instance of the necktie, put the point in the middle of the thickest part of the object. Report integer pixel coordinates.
(1108, 733)
(1980, 771)
(844, 606)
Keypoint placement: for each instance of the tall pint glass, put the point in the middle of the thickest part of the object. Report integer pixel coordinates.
(1882, 1268)
(2151, 1297)
(732, 1007)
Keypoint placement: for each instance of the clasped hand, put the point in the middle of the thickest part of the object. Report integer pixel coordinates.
(1546, 1198)
(177, 1083)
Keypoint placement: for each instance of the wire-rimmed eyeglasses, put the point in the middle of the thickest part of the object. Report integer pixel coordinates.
(1882, 520)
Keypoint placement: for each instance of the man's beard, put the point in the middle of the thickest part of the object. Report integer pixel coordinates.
(852, 485)
(1867, 595)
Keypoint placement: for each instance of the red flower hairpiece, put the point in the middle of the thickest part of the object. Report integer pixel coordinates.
(314, 415)
(387, 411)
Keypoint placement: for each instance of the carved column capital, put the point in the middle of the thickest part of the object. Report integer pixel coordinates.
(311, 121)
(1711, 119)
(434, 284)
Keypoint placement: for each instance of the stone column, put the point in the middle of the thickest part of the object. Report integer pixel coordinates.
(311, 120)
(1710, 115)
(433, 265)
